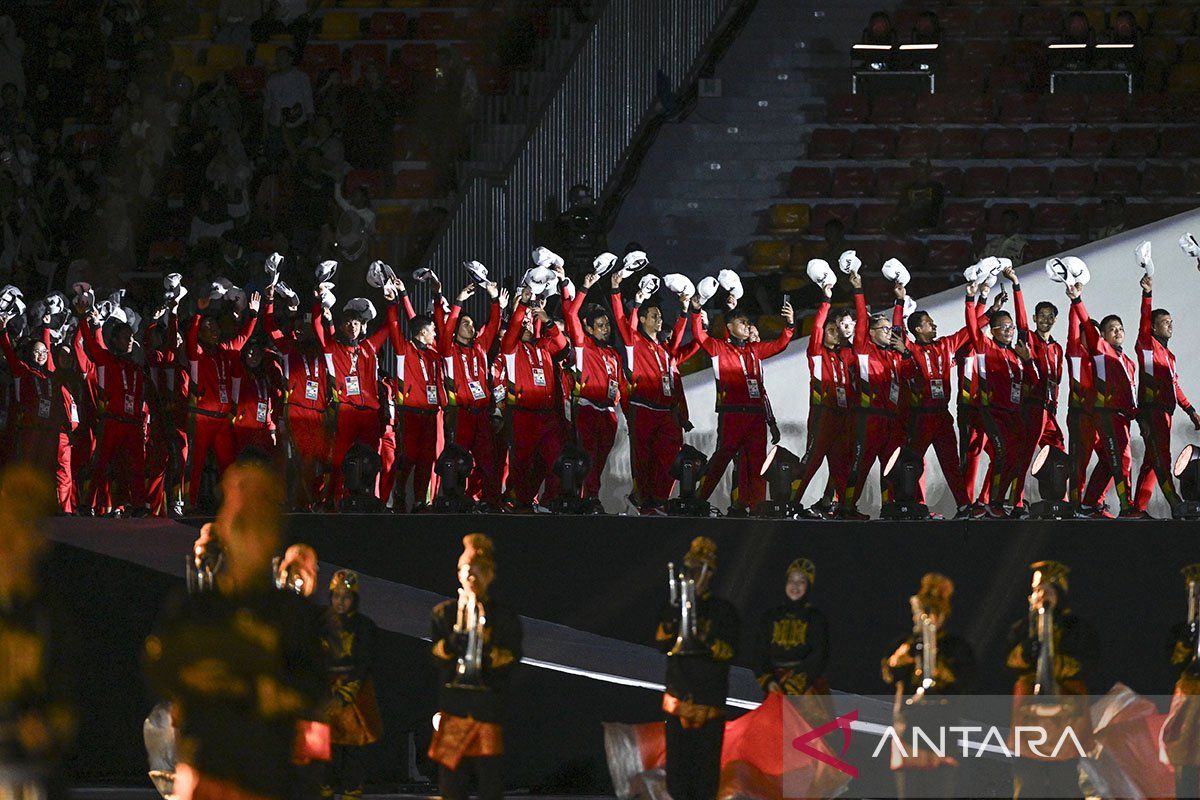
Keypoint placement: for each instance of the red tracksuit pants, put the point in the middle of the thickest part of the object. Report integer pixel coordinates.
(971, 441)
(828, 426)
(386, 480)
(472, 431)
(876, 436)
(126, 441)
(596, 430)
(741, 435)
(42, 446)
(166, 460)
(421, 441)
(935, 426)
(655, 439)
(211, 434)
(310, 442)
(537, 439)
(1004, 445)
(355, 425)
(1115, 460)
(1155, 425)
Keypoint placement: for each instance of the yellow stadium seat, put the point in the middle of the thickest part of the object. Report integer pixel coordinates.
(225, 56)
(792, 282)
(339, 25)
(182, 55)
(363, 3)
(768, 255)
(393, 219)
(788, 218)
(265, 53)
(199, 73)
(204, 27)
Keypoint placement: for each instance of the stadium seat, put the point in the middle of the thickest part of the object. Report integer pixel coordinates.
(911, 252)
(788, 218)
(225, 56)
(890, 181)
(1040, 23)
(322, 56)
(1173, 20)
(1135, 143)
(420, 58)
(827, 143)
(821, 214)
(374, 181)
(949, 254)
(204, 27)
(963, 78)
(1024, 54)
(1055, 218)
(1190, 50)
(950, 177)
(1004, 143)
(1159, 50)
(249, 79)
(1064, 108)
(1145, 107)
(1019, 108)
(959, 143)
(847, 109)
(874, 217)
(976, 109)
(853, 182)
(984, 181)
(264, 54)
(392, 219)
(1041, 248)
(934, 108)
(957, 21)
(375, 52)
(182, 55)
(389, 25)
(892, 109)
(339, 25)
(768, 254)
(1107, 108)
(1184, 78)
(1090, 143)
(1027, 181)
(1163, 179)
(437, 25)
(1048, 142)
(917, 143)
(1180, 143)
(1073, 181)
(995, 217)
(1122, 179)
(809, 182)
(418, 183)
(1004, 78)
(874, 143)
(962, 216)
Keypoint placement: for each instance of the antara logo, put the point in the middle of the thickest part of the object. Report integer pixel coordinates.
(801, 743)
(1026, 742)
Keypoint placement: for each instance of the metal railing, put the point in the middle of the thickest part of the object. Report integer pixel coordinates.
(605, 98)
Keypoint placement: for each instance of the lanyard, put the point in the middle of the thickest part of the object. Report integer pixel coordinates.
(219, 363)
(471, 367)
(529, 357)
(424, 370)
(753, 363)
(309, 371)
(353, 362)
(934, 367)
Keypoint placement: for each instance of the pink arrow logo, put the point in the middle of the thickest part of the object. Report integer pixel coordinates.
(801, 743)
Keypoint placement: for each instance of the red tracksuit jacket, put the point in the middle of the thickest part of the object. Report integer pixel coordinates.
(40, 402)
(465, 373)
(1158, 383)
(355, 367)
(259, 397)
(830, 380)
(1114, 371)
(1047, 357)
(169, 375)
(876, 369)
(1001, 374)
(737, 367)
(652, 367)
(967, 363)
(927, 373)
(305, 378)
(1079, 361)
(597, 367)
(213, 371)
(529, 366)
(122, 383)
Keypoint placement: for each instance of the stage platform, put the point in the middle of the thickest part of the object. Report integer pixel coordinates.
(590, 589)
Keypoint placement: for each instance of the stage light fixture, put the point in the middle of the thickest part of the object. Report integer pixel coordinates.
(453, 467)
(688, 470)
(903, 472)
(360, 472)
(571, 468)
(781, 470)
(1052, 470)
(1187, 473)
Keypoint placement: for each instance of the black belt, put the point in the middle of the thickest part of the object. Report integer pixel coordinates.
(213, 414)
(427, 412)
(930, 409)
(741, 409)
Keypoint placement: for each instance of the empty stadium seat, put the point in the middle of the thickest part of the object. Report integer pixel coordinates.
(1048, 142)
(788, 218)
(892, 108)
(1184, 78)
(950, 178)
(917, 143)
(374, 52)
(847, 109)
(389, 25)
(874, 143)
(1145, 107)
(322, 56)
(1064, 108)
(1135, 143)
(995, 216)
(890, 181)
(911, 252)
(1073, 181)
(874, 217)
(959, 143)
(1122, 179)
(1180, 143)
(962, 216)
(437, 25)
(1008, 79)
(1090, 143)
(949, 254)
(1163, 179)
(984, 181)
(974, 109)
(225, 56)
(420, 58)
(934, 108)
(1020, 108)
(809, 182)
(957, 21)
(340, 25)
(1026, 181)
(828, 143)
(1004, 143)
(853, 182)
(1041, 23)
(1173, 20)
(1055, 218)
(768, 254)
(1107, 108)
(821, 214)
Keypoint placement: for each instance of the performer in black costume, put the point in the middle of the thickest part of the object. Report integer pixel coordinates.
(1181, 730)
(792, 646)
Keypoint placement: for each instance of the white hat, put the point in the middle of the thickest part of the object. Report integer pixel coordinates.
(680, 284)
(175, 290)
(910, 306)
(1144, 259)
(1005, 263)
(117, 297)
(820, 273)
(118, 313)
(423, 274)
(552, 284)
(731, 282)
(379, 274)
(849, 262)
(83, 291)
(218, 290)
(10, 297)
(325, 271)
(1189, 245)
(237, 297)
(706, 288)
(603, 264)
(55, 304)
(568, 288)
(133, 318)
(896, 272)
(477, 271)
(286, 291)
(172, 281)
(632, 262)
(326, 293)
(1077, 270)
(361, 308)
(1057, 270)
(649, 284)
(545, 257)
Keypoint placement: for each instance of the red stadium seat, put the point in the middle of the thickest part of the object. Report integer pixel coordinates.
(249, 80)
(847, 109)
(1042, 248)
(892, 109)
(957, 21)
(934, 108)
(1019, 108)
(389, 25)
(995, 219)
(1163, 179)
(480, 24)
(874, 143)
(824, 212)
(1135, 143)
(1184, 79)
(950, 177)
(1025, 181)
(910, 252)
(978, 109)
(1073, 181)
(1107, 108)
(890, 181)
(1007, 79)
(320, 56)
(1055, 218)
(1065, 108)
(917, 143)
(984, 181)
(1121, 179)
(1090, 143)
(420, 58)
(1024, 54)
(949, 254)
(827, 143)
(376, 53)
(874, 218)
(418, 183)
(1040, 23)
(1004, 143)
(1150, 108)
(960, 143)
(963, 78)
(437, 25)
(1180, 143)
(809, 182)
(1048, 142)
(853, 182)
(962, 216)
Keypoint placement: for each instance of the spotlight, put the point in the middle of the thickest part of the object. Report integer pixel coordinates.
(571, 467)
(1052, 471)
(782, 470)
(903, 471)
(1187, 472)
(360, 472)
(453, 467)
(688, 469)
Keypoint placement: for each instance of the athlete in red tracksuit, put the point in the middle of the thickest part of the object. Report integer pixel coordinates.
(741, 402)
(469, 391)
(1002, 363)
(1040, 396)
(1159, 393)
(43, 411)
(1115, 406)
(420, 398)
(259, 391)
(598, 379)
(352, 360)
(167, 447)
(123, 410)
(830, 393)
(306, 405)
(927, 376)
(878, 426)
(533, 401)
(214, 366)
(1082, 436)
(971, 435)
(655, 406)
(86, 393)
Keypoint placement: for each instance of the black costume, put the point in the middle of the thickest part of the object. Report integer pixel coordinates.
(792, 646)
(354, 713)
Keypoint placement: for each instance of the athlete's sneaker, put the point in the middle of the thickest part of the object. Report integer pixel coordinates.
(964, 512)
(1134, 513)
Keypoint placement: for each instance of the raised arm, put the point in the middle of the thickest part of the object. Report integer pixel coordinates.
(512, 334)
(974, 328)
(626, 324)
(488, 335)
(816, 340)
(94, 343)
(1145, 326)
(1091, 336)
(191, 342)
(1019, 302)
(243, 336)
(862, 320)
(50, 365)
(571, 318)
(780, 343)
(281, 341)
(389, 328)
(699, 335)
